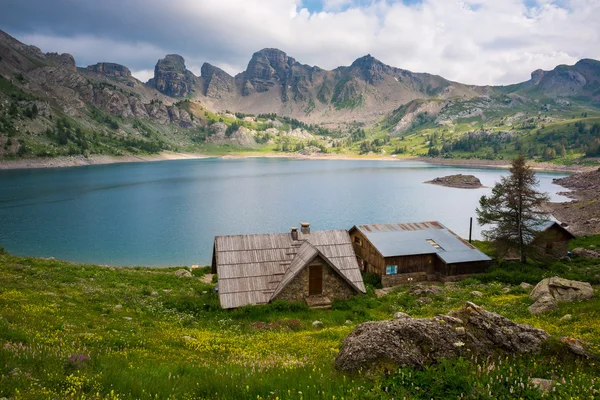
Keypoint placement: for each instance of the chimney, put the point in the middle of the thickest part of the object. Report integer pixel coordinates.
(294, 233)
(305, 227)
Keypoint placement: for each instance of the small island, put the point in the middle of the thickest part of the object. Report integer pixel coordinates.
(458, 181)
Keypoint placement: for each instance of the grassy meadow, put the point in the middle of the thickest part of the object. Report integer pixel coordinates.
(95, 332)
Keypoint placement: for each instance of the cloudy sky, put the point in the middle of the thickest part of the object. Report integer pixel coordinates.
(477, 42)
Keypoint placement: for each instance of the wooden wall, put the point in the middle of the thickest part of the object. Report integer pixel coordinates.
(373, 262)
(418, 267)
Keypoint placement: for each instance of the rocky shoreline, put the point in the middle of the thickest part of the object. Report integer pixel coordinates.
(582, 215)
(78, 161)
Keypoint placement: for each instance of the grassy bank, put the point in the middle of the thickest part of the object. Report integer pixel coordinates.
(82, 331)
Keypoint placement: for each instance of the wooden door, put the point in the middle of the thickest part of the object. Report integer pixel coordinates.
(315, 280)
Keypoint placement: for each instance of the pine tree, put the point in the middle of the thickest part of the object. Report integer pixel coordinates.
(514, 208)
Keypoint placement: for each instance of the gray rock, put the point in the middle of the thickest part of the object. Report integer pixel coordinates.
(476, 293)
(545, 385)
(118, 307)
(420, 290)
(189, 338)
(183, 273)
(154, 294)
(566, 317)
(505, 290)
(425, 300)
(401, 315)
(419, 341)
(128, 318)
(581, 252)
(348, 322)
(317, 324)
(550, 291)
(575, 346)
(526, 285)
(543, 304)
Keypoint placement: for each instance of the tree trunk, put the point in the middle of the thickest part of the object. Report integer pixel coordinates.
(520, 222)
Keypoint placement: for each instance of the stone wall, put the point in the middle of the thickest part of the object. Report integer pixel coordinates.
(334, 286)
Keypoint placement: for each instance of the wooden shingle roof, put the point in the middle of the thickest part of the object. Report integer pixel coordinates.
(252, 267)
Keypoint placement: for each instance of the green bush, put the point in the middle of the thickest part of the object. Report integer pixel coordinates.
(372, 279)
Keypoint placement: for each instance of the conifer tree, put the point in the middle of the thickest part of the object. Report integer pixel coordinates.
(514, 209)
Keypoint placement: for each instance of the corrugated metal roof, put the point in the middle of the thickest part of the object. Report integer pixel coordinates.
(405, 239)
(251, 268)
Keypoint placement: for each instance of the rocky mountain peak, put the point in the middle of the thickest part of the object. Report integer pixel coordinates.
(370, 69)
(65, 60)
(537, 75)
(110, 69)
(172, 78)
(171, 62)
(266, 68)
(216, 81)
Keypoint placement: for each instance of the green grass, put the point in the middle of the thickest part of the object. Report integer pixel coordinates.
(83, 331)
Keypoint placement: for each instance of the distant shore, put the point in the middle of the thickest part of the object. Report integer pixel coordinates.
(78, 161)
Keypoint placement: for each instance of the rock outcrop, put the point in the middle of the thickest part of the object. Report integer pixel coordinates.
(420, 341)
(216, 81)
(172, 78)
(458, 181)
(585, 253)
(551, 291)
(110, 69)
(63, 60)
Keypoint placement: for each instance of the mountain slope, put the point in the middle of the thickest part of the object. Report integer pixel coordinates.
(49, 107)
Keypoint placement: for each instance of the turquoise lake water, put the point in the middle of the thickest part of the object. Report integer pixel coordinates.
(167, 213)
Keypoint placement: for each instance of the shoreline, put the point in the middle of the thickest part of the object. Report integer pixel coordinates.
(80, 161)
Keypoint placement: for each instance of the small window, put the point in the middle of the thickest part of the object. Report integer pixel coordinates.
(357, 240)
(391, 270)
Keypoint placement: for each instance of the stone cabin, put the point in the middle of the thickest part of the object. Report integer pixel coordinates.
(421, 251)
(551, 241)
(311, 266)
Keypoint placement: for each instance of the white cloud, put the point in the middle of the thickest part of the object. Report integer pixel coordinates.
(477, 42)
(144, 74)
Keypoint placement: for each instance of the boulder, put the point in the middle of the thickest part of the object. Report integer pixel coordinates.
(550, 291)
(526, 285)
(545, 385)
(401, 315)
(566, 317)
(543, 304)
(421, 290)
(581, 252)
(476, 293)
(317, 324)
(419, 341)
(183, 273)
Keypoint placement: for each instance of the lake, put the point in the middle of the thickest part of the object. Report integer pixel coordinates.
(167, 213)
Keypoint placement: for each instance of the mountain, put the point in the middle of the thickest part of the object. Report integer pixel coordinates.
(580, 80)
(50, 107)
(276, 82)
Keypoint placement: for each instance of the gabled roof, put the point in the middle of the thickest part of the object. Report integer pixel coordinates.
(403, 239)
(555, 225)
(251, 268)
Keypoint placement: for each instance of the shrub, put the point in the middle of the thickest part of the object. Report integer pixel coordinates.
(372, 279)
